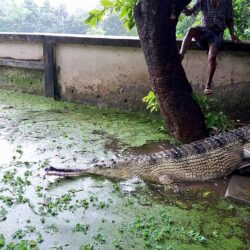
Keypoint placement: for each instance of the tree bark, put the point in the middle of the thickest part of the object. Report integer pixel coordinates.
(156, 23)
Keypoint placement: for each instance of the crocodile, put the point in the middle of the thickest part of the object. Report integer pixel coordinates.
(212, 157)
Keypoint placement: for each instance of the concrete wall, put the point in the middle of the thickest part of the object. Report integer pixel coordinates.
(18, 78)
(21, 50)
(112, 72)
(102, 75)
(231, 81)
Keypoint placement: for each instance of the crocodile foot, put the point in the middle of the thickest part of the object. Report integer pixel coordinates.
(165, 179)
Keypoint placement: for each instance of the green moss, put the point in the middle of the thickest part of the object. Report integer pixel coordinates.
(169, 227)
(23, 80)
(95, 213)
(131, 129)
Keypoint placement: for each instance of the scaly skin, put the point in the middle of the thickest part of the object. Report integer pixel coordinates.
(210, 158)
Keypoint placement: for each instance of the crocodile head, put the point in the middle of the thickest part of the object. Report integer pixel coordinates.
(248, 133)
(246, 146)
(246, 151)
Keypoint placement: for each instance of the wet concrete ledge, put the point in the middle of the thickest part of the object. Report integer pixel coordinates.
(117, 41)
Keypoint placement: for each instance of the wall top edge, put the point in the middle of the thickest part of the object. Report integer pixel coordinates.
(117, 41)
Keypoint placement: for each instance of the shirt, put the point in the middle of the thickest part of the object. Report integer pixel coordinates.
(214, 17)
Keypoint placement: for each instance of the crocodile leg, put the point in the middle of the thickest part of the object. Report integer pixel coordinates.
(165, 179)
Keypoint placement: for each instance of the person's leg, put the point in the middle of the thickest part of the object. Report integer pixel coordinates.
(212, 54)
(192, 33)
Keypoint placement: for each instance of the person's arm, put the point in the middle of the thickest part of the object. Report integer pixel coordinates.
(230, 22)
(193, 11)
(230, 25)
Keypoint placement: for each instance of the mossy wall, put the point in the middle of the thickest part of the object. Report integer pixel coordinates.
(21, 80)
(112, 76)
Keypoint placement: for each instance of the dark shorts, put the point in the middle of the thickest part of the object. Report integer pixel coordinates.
(209, 37)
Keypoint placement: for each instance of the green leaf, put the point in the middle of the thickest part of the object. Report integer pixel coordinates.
(3, 214)
(93, 21)
(151, 101)
(131, 24)
(106, 3)
(206, 194)
(90, 19)
(123, 13)
(95, 12)
(2, 241)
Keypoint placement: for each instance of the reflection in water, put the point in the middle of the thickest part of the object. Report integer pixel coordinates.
(6, 152)
(130, 185)
(153, 147)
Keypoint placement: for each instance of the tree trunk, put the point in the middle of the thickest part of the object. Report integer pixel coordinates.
(156, 23)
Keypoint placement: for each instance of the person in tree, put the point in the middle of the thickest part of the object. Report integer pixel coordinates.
(216, 16)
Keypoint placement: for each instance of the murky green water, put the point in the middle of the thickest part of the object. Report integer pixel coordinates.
(95, 213)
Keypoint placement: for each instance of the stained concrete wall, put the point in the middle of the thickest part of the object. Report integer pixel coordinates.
(111, 71)
(231, 82)
(232, 68)
(102, 75)
(118, 77)
(21, 79)
(21, 50)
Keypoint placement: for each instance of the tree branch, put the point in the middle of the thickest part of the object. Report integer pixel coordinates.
(179, 6)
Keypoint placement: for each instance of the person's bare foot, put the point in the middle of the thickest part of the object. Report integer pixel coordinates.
(208, 91)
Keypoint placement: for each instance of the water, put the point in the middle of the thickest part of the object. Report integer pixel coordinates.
(73, 212)
(6, 152)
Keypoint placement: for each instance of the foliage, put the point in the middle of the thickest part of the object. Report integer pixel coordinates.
(81, 228)
(215, 118)
(86, 247)
(22, 245)
(183, 24)
(27, 16)
(195, 236)
(159, 232)
(123, 8)
(3, 213)
(2, 240)
(241, 20)
(151, 101)
(112, 25)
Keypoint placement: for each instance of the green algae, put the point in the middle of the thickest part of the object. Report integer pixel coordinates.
(22, 80)
(127, 224)
(130, 128)
(95, 213)
(164, 227)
